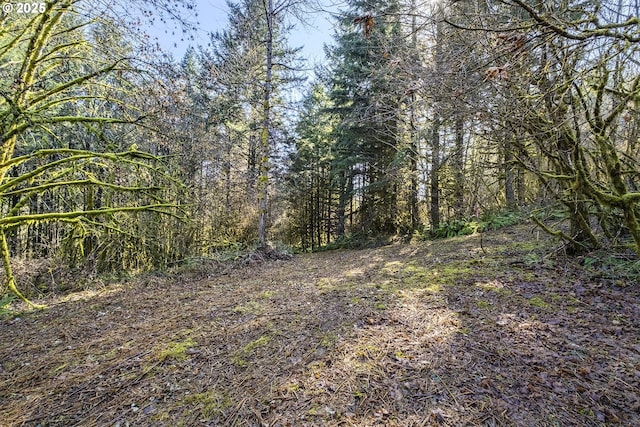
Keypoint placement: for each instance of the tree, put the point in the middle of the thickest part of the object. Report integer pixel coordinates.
(244, 74)
(367, 96)
(570, 78)
(54, 69)
(311, 191)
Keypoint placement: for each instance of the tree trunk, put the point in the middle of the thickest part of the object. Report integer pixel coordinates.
(266, 131)
(345, 189)
(413, 130)
(434, 178)
(434, 184)
(509, 173)
(458, 164)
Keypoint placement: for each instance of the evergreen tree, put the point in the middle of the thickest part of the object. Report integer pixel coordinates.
(310, 190)
(366, 91)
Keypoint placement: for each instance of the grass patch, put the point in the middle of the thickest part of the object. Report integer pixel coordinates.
(461, 328)
(618, 270)
(430, 278)
(468, 226)
(268, 294)
(357, 241)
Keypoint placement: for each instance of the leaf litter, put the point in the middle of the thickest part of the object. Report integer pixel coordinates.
(441, 333)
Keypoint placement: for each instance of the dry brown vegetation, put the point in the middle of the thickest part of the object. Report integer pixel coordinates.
(437, 333)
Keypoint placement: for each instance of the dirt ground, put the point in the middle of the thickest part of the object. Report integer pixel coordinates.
(440, 333)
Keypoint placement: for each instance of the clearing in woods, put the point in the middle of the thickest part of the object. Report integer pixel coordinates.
(439, 333)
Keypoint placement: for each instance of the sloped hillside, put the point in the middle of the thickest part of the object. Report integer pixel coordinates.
(442, 333)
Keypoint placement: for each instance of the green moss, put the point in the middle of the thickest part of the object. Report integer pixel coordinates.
(209, 403)
(434, 288)
(412, 269)
(399, 354)
(556, 298)
(111, 353)
(328, 340)
(249, 307)
(538, 302)
(483, 304)
(324, 283)
(314, 411)
(587, 412)
(292, 387)
(359, 394)
(239, 361)
(431, 278)
(380, 306)
(367, 351)
(495, 287)
(161, 417)
(240, 358)
(391, 268)
(268, 294)
(262, 341)
(176, 350)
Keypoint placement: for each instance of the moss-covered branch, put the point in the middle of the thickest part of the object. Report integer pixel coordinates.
(125, 157)
(72, 83)
(557, 233)
(12, 221)
(79, 183)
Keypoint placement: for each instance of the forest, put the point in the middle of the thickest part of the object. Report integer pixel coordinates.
(455, 173)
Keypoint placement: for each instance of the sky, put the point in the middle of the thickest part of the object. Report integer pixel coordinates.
(212, 16)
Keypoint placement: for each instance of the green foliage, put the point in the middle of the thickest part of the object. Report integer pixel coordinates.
(5, 302)
(66, 181)
(614, 269)
(232, 251)
(455, 228)
(240, 357)
(538, 302)
(496, 221)
(491, 221)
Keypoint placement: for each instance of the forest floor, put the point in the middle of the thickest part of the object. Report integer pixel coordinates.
(440, 333)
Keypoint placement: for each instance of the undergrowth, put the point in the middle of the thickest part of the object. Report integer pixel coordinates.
(465, 227)
(41, 277)
(617, 268)
(448, 229)
(5, 303)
